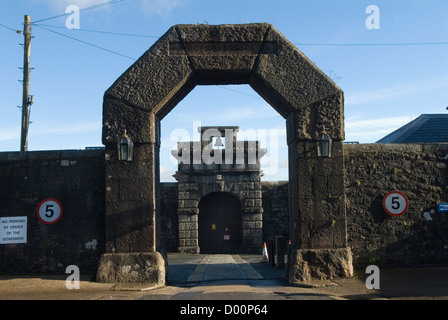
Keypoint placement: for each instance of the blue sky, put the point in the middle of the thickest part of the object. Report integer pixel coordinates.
(386, 85)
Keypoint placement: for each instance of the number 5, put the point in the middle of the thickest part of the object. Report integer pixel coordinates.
(48, 209)
(395, 203)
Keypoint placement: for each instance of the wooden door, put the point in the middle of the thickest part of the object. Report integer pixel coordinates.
(220, 224)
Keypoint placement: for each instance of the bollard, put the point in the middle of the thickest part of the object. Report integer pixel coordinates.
(280, 246)
(272, 252)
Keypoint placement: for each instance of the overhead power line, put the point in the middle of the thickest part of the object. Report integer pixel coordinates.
(297, 44)
(98, 31)
(87, 43)
(104, 4)
(15, 30)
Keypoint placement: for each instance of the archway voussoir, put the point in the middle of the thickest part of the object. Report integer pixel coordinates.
(252, 32)
(155, 77)
(119, 116)
(291, 74)
(222, 53)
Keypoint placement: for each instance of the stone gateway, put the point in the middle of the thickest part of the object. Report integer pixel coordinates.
(119, 220)
(254, 54)
(220, 206)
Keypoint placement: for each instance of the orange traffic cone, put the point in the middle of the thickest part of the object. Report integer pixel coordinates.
(265, 254)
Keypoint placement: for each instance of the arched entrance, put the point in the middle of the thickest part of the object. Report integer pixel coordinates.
(254, 54)
(220, 223)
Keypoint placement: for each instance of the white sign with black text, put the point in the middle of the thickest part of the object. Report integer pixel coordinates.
(13, 230)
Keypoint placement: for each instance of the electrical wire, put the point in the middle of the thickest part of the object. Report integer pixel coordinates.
(297, 44)
(98, 31)
(104, 4)
(239, 92)
(43, 26)
(16, 31)
(87, 43)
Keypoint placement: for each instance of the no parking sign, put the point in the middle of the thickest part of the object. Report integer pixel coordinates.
(49, 211)
(395, 203)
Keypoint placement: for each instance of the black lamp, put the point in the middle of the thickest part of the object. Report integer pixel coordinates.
(125, 148)
(324, 145)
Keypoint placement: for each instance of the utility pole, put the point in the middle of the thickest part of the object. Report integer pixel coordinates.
(26, 99)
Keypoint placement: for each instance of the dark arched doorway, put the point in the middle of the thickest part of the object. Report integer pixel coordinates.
(220, 223)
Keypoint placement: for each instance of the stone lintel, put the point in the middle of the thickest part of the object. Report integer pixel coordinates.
(189, 249)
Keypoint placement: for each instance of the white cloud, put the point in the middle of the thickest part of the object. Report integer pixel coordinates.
(75, 128)
(166, 175)
(369, 131)
(227, 115)
(163, 8)
(9, 133)
(82, 3)
(61, 5)
(393, 92)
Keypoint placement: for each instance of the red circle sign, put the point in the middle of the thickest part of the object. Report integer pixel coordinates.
(49, 211)
(395, 203)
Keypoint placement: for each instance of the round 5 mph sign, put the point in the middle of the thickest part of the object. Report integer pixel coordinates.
(395, 203)
(49, 211)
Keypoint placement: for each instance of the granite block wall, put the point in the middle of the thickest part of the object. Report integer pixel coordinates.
(418, 237)
(275, 210)
(73, 177)
(169, 229)
(76, 178)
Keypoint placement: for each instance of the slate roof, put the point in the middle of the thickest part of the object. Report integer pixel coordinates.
(427, 128)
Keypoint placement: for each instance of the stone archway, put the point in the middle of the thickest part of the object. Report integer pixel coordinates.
(254, 54)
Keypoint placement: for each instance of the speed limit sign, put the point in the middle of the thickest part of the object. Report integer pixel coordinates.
(395, 203)
(49, 211)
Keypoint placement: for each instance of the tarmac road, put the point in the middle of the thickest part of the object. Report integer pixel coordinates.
(231, 278)
(225, 277)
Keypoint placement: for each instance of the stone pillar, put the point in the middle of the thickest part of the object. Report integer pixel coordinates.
(280, 251)
(130, 202)
(252, 214)
(130, 206)
(188, 231)
(318, 204)
(188, 211)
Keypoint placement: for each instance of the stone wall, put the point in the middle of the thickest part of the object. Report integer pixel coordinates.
(76, 179)
(275, 210)
(245, 185)
(275, 213)
(418, 237)
(169, 233)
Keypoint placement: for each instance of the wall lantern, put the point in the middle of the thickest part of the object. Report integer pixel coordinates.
(125, 148)
(324, 145)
